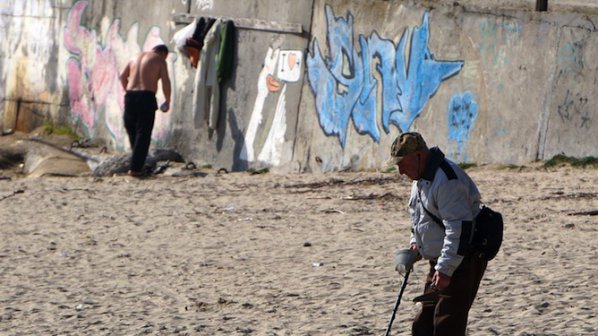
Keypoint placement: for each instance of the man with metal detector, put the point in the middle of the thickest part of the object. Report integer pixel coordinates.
(443, 204)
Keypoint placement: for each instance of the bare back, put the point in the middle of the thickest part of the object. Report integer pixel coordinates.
(145, 71)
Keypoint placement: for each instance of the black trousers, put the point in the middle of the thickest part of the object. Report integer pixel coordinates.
(447, 316)
(140, 110)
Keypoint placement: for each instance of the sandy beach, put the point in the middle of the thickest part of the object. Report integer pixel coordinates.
(268, 254)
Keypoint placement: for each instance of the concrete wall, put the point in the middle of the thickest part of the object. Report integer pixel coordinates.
(31, 89)
(499, 86)
(61, 60)
(259, 106)
(486, 84)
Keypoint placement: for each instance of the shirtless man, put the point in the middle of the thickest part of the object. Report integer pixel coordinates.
(140, 81)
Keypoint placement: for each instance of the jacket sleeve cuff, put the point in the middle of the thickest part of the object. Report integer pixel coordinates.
(445, 268)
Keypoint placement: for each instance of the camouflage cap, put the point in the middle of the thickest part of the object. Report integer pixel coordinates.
(406, 143)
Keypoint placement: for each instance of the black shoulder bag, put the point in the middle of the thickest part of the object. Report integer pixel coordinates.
(487, 233)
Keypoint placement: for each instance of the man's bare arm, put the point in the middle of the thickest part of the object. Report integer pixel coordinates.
(165, 82)
(124, 76)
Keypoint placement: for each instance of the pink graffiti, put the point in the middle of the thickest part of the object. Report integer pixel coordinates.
(152, 39)
(93, 69)
(77, 35)
(79, 107)
(103, 76)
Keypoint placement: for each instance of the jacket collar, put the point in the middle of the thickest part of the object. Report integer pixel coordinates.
(434, 160)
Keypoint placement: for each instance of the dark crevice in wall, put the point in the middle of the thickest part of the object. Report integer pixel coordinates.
(591, 22)
(103, 7)
(543, 20)
(29, 16)
(581, 27)
(115, 11)
(26, 101)
(308, 38)
(545, 117)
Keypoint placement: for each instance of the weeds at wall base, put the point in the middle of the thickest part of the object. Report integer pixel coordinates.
(49, 128)
(561, 159)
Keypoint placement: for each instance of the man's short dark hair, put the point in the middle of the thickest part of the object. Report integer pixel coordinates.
(161, 48)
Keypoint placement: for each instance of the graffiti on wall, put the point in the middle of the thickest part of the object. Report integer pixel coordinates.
(378, 78)
(93, 68)
(205, 5)
(570, 58)
(496, 39)
(463, 111)
(575, 110)
(280, 67)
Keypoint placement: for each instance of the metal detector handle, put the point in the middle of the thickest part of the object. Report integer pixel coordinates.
(394, 311)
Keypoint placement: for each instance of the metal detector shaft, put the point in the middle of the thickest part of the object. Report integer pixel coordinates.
(394, 311)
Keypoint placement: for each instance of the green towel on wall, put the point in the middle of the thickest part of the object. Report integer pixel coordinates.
(226, 54)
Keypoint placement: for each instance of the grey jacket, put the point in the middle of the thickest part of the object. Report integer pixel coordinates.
(448, 193)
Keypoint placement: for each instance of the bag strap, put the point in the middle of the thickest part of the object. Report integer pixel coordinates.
(450, 174)
(435, 218)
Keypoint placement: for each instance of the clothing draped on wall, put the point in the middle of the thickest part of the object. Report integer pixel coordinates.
(194, 44)
(211, 51)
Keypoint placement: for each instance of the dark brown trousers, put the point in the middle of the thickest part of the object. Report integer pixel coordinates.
(447, 316)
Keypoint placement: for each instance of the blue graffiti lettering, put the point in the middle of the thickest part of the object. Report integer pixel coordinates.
(345, 82)
(463, 111)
